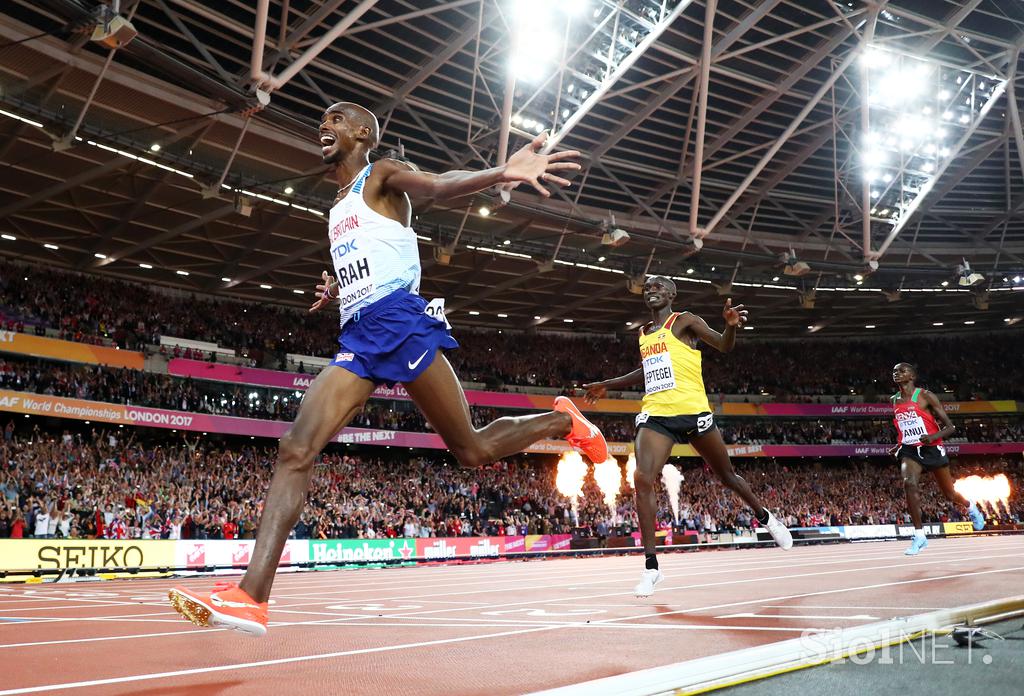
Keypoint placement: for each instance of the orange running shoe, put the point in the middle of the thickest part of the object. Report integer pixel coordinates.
(228, 605)
(584, 436)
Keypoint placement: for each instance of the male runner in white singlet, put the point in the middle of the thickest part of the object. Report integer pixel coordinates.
(387, 336)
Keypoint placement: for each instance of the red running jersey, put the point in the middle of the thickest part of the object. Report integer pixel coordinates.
(913, 420)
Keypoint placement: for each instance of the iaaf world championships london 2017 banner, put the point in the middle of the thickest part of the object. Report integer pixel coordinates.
(42, 347)
(198, 369)
(120, 414)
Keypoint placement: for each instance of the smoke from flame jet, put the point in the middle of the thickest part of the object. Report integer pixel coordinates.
(673, 483)
(569, 478)
(630, 468)
(608, 476)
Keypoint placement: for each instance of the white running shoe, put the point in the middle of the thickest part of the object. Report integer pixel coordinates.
(779, 532)
(650, 578)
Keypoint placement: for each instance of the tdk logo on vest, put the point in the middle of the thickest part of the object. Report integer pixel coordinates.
(346, 225)
(344, 249)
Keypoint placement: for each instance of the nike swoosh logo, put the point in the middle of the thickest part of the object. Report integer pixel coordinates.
(412, 365)
(218, 602)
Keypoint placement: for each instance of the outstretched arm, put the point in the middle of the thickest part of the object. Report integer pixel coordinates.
(722, 342)
(599, 390)
(527, 165)
(935, 406)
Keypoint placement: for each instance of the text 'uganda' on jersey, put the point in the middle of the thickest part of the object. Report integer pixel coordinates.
(373, 255)
(673, 380)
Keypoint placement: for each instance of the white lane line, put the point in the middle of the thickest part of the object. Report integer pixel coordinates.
(495, 572)
(551, 583)
(818, 593)
(267, 663)
(119, 617)
(53, 607)
(669, 561)
(847, 606)
(104, 638)
(716, 584)
(837, 617)
(462, 639)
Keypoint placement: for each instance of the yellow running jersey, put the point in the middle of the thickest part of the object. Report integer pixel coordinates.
(673, 381)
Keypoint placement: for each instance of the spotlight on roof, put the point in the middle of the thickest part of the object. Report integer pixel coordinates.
(793, 266)
(892, 295)
(968, 278)
(980, 300)
(807, 298)
(635, 285)
(615, 237)
(443, 255)
(112, 29)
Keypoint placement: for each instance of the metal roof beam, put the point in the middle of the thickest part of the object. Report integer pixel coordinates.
(927, 189)
(100, 170)
(944, 25)
(501, 287)
(558, 310)
(198, 45)
(195, 223)
(634, 55)
(950, 23)
(450, 47)
(668, 91)
(756, 109)
(301, 252)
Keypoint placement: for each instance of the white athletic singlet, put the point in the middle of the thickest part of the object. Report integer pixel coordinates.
(373, 255)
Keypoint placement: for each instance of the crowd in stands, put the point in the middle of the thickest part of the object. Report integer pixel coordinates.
(120, 385)
(92, 308)
(104, 484)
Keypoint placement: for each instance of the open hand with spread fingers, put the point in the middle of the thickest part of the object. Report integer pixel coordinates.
(530, 166)
(734, 316)
(594, 391)
(325, 292)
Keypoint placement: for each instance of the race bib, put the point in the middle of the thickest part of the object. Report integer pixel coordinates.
(912, 430)
(658, 373)
(354, 271)
(436, 309)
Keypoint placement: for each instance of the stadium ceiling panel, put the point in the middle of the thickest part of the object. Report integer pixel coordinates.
(830, 164)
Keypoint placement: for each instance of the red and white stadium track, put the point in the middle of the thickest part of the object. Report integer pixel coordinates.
(494, 628)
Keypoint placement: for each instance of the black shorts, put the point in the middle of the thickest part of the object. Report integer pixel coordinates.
(930, 457)
(679, 428)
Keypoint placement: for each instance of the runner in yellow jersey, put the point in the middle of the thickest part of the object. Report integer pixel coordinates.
(676, 410)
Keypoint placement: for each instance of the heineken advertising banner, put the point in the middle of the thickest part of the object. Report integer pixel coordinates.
(360, 551)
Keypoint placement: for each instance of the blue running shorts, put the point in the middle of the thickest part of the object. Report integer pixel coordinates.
(392, 340)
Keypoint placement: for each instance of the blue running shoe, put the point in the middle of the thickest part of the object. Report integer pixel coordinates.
(916, 546)
(976, 517)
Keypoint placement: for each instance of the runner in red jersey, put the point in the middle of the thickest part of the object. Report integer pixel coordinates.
(917, 415)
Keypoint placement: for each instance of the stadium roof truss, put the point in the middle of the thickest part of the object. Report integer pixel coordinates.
(731, 140)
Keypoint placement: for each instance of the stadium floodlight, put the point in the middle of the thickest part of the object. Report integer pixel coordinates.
(968, 278)
(920, 114)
